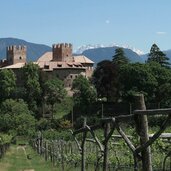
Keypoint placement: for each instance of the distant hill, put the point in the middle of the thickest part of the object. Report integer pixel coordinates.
(34, 51)
(96, 54)
(102, 53)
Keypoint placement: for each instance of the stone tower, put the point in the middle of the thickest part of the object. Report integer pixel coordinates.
(61, 51)
(16, 54)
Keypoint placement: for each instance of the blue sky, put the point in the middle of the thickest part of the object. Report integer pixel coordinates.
(138, 23)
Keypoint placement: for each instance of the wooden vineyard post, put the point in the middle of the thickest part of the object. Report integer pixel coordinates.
(62, 155)
(46, 150)
(83, 147)
(105, 159)
(142, 130)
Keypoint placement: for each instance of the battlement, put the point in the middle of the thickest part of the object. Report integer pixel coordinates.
(61, 51)
(62, 45)
(16, 48)
(16, 54)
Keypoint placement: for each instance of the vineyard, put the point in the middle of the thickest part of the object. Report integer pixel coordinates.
(66, 154)
(135, 151)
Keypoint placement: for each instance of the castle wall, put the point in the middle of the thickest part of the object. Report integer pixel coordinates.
(66, 75)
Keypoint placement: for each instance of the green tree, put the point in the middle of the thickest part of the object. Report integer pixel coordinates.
(84, 91)
(32, 86)
(156, 55)
(136, 78)
(16, 117)
(162, 92)
(105, 80)
(119, 58)
(54, 92)
(7, 83)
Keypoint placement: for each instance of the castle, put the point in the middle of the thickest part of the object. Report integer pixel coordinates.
(60, 62)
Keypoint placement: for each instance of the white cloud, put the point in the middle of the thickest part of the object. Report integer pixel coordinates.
(160, 32)
(107, 21)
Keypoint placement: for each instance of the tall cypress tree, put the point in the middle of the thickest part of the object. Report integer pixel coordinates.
(156, 55)
(119, 58)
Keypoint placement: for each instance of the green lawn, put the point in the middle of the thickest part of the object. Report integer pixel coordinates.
(16, 160)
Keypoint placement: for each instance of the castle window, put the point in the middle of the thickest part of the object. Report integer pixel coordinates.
(70, 76)
(59, 65)
(70, 65)
(20, 57)
(46, 66)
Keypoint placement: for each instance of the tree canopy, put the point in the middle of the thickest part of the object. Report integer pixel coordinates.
(16, 117)
(156, 55)
(7, 83)
(137, 78)
(54, 92)
(162, 92)
(32, 85)
(119, 58)
(84, 91)
(105, 80)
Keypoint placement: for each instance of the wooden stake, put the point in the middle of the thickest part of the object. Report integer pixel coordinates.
(105, 159)
(142, 130)
(83, 147)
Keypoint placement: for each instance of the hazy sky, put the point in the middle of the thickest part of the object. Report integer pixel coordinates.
(138, 23)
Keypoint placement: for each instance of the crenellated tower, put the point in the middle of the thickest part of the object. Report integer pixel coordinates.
(61, 51)
(16, 54)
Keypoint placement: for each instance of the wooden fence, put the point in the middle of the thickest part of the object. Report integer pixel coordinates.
(66, 154)
(62, 153)
(56, 151)
(142, 152)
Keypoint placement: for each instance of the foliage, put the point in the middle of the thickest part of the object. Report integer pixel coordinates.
(16, 116)
(156, 55)
(54, 92)
(157, 120)
(137, 78)
(64, 108)
(84, 92)
(105, 80)
(32, 85)
(162, 91)
(52, 134)
(5, 138)
(91, 120)
(65, 124)
(43, 124)
(14, 107)
(7, 83)
(55, 124)
(119, 58)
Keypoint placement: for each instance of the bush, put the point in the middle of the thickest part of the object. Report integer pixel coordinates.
(156, 120)
(15, 117)
(90, 121)
(43, 124)
(52, 134)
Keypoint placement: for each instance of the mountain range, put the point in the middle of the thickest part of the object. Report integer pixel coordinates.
(34, 51)
(96, 53)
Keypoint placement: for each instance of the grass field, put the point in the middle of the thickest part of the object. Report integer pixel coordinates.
(16, 160)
